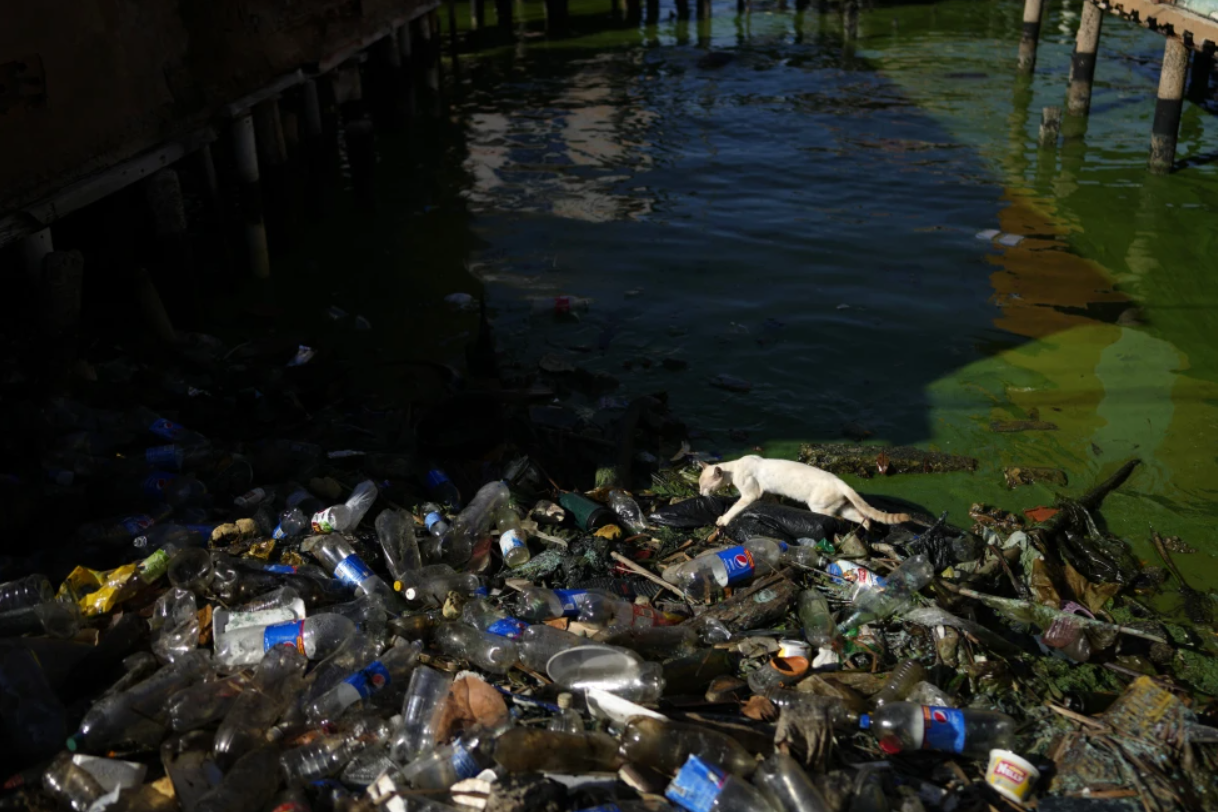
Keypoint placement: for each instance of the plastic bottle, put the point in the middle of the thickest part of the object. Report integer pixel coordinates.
(191, 568)
(435, 581)
(482, 616)
(628, 511)
(652, 642)
(70, 784)
(537, 644)
(489, 652)
(787, 787)
(121, 529)
(603, 610)
(345, 517)
(530, 749)
(665, 746)
(392, 667)
(24, 592)
(433, 519)
(537, 604)
(247, 787)
(513, 541)
(275, 684)
(297, 508)
(180, 457)
(368, 614)
(206, 703)
(832, 708)
(174, 624)
(148, 420)
(337, 555)
(174, 490)
(358, 651)
(135, 715)
(567, 720)
(473, 522)
(973, 733)
(424, 702)
(395, 531)
(901, 681)
(316, 637)
(291, 799)
(445, 766)
(700, 787)
(740, 563)
(327, 755)
(558, 305)
(816, 618)
(880, 602)
(180, 536)
(441, 489)
(615, 670)
(848, 573)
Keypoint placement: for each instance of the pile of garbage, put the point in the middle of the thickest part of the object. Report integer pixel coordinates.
(252, 624)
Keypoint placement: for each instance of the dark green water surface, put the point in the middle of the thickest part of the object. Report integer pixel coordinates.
(806, 217)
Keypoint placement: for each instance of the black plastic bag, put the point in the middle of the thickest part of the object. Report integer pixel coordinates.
(701, 511)
(785, 524)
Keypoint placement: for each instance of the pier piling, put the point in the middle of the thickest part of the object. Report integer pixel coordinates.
(1082, 63)
(1168, 105)
(245, 159)
(34, 249)
(1050, 126)
(1030, 37)
(1199, 73)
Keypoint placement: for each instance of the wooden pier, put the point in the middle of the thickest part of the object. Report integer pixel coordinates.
(1190, 28)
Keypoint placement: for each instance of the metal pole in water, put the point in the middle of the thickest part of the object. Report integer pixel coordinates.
(1082, 63)
(1032, 10)
(245, 157)
(1167, 108)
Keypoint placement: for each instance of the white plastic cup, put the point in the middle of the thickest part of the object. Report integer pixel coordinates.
(1011, 775)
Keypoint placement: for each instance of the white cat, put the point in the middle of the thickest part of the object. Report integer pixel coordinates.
(820, 490)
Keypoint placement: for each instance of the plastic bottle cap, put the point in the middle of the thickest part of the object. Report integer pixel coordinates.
(865, 721)
(397, 586)
(564, 700)
(72, 743)
(890, 745)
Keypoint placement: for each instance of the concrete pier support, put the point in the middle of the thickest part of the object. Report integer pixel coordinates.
(704, 9)
(1030, 37)
(503, 14)
(245, 159)
(1050, 126)
(1168, 106)
(59, 287)
(850, 20)
(273, 161)
(34, 250)
(682, 9)
(1199, 74)
(477, 15)
(652, 14)
(1082, 63)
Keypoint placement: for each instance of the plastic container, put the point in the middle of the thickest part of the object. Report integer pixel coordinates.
(1011, 775)
(699, 787)
(901, 726)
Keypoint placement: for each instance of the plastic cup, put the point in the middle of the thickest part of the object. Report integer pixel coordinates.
(1011, 775)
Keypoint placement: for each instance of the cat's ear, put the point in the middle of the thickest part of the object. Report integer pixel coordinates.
(718, 472)
(702, 464)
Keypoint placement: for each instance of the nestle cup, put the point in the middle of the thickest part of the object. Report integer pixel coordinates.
(1011, 775)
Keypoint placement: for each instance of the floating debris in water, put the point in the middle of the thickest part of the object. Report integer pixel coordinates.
(1000, 237)
(731, 383)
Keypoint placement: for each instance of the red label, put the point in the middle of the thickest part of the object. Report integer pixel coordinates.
(562, 304)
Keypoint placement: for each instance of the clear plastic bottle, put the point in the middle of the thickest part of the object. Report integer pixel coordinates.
(206, 703)
(327, 755)
(473, 522)
(628, 511)
(71, 785)
(615, 670)
(901, 681)
(513, 541)
(23, 592)
(832, 708)
(395, 531)
(531, 749)
(787, 786)
(424, 702)
(665, 746)
(175, 490)
(137, 714)
(345, 517)
(276, 682)
(441, 489)
(54, 618)
(816, 618)
(175, 624)
(433, 519)
(191, 568)
(558, 305)
(567, 720)
(603, 610)
(484, 617)
(316, 637)
(700, 787)
(391, 667)
(435, 581)
(445, 766)
(736, 564)
(880, 602)
(972, 733)
(143, 418)
(248, 787)
(537, 604)
(180, 457)
(337, 555)
(537, 644)
(358, 651)
(180, 536)
(489, 652)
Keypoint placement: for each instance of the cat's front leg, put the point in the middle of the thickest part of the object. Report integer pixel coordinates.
(746, 499)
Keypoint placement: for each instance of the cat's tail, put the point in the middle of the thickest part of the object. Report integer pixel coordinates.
(860, 504)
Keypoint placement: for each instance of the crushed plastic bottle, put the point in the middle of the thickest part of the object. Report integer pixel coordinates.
(344, 518)
(736, 564)
(424, 702)
(395, 531)
(896, 594)
(699, 787)
(388, 669)
(901, 726)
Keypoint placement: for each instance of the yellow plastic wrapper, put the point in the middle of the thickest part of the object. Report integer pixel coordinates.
(262, 550)
(97, 593)
(609, 531)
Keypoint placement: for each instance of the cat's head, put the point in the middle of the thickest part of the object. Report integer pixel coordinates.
(712, 479)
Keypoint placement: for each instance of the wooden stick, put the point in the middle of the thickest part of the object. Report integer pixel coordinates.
(655, 579)
(1077, 717)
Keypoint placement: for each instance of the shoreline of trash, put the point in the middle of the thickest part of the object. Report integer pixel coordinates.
(328, 619)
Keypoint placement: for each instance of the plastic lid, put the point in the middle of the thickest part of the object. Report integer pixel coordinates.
(865, 721)
(564, 700)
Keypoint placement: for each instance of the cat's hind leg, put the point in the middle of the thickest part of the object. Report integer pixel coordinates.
(848, 512)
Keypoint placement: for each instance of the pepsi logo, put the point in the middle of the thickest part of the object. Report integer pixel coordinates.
(742, 560)
(378, 680)
(938, 715)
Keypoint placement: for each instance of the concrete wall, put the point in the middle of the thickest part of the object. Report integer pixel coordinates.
(87, 83)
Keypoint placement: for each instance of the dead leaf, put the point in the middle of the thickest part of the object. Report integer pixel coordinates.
(760, 709)
(1093, 596)
(470, 703)
(205, 625)
(1042, 585)
(1041, 514)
